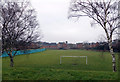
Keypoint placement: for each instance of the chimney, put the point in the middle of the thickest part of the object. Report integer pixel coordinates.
(66, 42)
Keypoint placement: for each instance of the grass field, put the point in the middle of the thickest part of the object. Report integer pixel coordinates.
(45, 66)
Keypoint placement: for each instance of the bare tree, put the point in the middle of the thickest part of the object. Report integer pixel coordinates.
(103, 13)
(19, 27)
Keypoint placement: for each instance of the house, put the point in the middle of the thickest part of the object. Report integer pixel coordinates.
(45, 45)
(72, 46)
(49, 45)
(53, 46)
(62, 45)
(79, 45)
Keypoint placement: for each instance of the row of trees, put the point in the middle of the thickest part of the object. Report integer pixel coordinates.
(103, 46)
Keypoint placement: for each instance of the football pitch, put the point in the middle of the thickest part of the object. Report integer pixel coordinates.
(46, 66)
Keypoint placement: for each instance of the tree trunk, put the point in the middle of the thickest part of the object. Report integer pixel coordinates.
(11, 60)
(113, 56)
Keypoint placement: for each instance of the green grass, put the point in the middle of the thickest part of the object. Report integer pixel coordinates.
(0, 69)
(45, 66)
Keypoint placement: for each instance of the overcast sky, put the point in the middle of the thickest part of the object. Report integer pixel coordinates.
(56, 27)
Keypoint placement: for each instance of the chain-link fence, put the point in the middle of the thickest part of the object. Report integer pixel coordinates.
(23, 52)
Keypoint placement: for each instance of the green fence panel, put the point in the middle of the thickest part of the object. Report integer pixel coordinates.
(4, 54)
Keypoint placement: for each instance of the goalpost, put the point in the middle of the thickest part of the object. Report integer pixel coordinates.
(72, 56)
